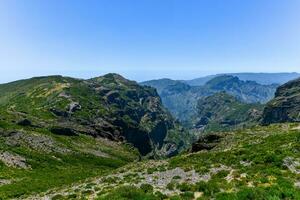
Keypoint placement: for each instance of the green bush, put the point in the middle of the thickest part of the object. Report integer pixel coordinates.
(127, 193)
(209, 188)
(147, 188)
(184, 187)
(171, 186)
(160, 195)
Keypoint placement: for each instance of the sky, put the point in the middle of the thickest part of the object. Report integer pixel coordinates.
(147, 39)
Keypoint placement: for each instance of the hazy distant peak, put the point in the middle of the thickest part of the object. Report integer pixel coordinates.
(261, 78)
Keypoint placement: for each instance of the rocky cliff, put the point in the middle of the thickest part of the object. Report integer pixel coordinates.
(285, 107)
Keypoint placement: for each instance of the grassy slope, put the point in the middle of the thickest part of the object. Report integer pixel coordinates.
(82, 155)
(251, 165)
(110, 105)
(53, 168)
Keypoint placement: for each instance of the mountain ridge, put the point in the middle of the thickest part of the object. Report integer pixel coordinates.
(261, 78)
(181, 98)
(66, 138)
(109, 106)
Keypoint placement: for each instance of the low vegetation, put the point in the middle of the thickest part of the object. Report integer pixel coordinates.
(254, 163)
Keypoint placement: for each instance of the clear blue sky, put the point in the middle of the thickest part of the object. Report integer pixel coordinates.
(145, 39)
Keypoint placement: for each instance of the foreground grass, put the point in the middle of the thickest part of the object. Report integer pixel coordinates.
(257, 160)
(50, 168)
(256, 163)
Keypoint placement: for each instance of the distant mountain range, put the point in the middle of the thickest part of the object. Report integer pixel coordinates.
(261, 78)
(181, 98)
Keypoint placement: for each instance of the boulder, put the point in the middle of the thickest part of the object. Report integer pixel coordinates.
(63, 131)
(24, 122)
(206, 142)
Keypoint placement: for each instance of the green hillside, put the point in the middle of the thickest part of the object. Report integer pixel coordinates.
(222, 111)
(110, 138)
(34, 159)
(55, 130)
(109, 106)
(255, 163)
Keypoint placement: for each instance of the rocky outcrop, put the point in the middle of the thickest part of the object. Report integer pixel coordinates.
(24, 122)
(13, 160)
(285, 107)
(34, 142)
(63, 131)
(206, 142)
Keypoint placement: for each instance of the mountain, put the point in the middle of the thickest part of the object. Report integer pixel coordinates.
(181, 98)
(66, 138)
(285, 107)
(161, 84)
(261, 78)
(246, 91)
(202, 80)
(222, 111)
(254, 163)
(109, 106)
(58, 130)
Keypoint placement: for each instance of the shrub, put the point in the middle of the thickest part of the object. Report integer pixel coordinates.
(176, 177)
(127, 193)
(209, 188)
(147, 188)
(160, 195)
(184, 187)
(171, 186)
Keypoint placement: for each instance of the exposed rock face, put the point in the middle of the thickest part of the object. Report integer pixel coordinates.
(109, 106)
(285, 107)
